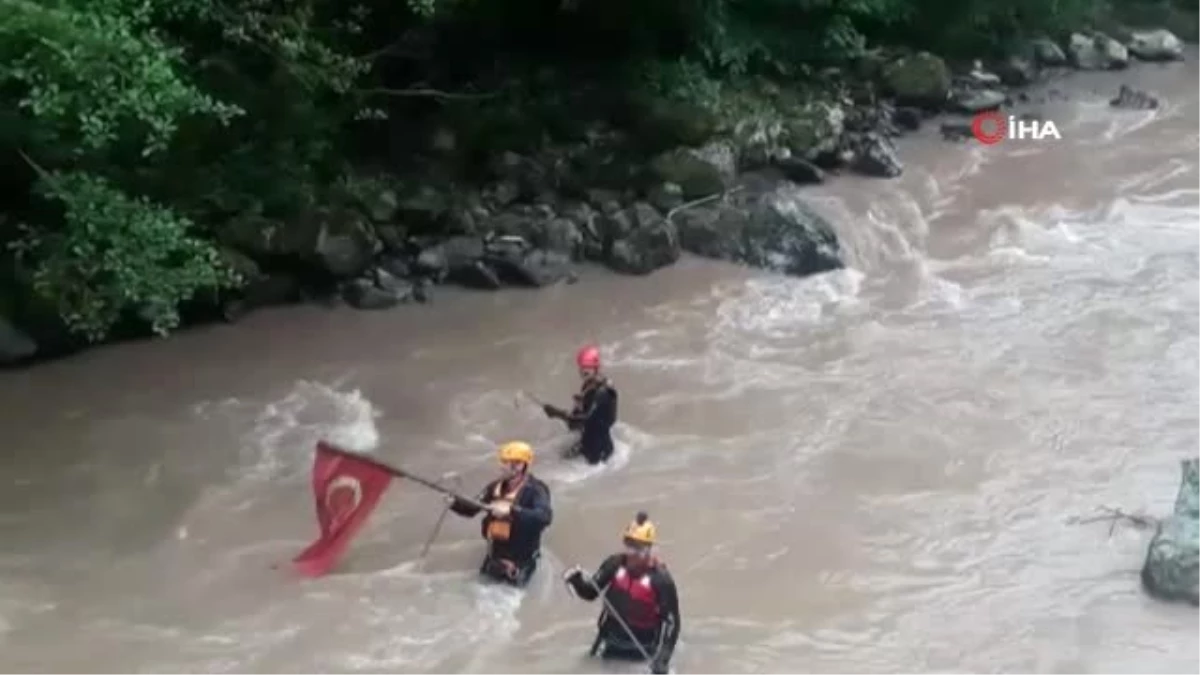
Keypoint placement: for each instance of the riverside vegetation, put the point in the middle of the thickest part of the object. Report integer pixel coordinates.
(172, 162)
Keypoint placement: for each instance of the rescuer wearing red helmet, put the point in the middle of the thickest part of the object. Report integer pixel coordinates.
(638, 588)
(594, 412)
(519, 511)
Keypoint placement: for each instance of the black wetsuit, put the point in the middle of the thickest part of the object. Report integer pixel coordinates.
(513, 559)
(648, 602)
(593, 416)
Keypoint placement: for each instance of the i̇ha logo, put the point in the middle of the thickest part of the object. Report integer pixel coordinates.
(991, 127)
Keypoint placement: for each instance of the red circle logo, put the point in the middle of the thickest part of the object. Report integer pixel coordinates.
(989, 128)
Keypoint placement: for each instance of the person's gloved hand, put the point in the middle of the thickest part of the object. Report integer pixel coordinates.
(551, 411)
(575, 571)
(660, 667)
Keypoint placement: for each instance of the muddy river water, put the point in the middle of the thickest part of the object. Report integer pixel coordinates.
(875, 469)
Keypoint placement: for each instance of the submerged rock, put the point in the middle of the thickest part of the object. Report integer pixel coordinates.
(1133, 99)
(1172, 567)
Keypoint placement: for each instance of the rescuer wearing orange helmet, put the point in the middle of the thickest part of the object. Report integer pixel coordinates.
(594, 412)
(638, 588)
(519, 511)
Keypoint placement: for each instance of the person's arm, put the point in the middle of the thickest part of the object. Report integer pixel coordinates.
(536, 509)
(590, 589)
(468, 510)
(672, 623)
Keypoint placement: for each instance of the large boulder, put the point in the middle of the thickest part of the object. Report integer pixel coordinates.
(1155, 45)
(699, 172)
(1046, 52)
(920, 79)
(1097, 52)
(652, 242)
(1172, 567)
(814, 129)
(775, 231)
(339, 243)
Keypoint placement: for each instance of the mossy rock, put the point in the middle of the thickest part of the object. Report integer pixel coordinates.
(815, 129)
(920, 79)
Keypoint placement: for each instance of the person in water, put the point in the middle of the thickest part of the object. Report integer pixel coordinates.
(638, 587)
(594, 412)
(518, 511)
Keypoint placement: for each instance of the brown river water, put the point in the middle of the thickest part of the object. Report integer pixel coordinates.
(871, 470)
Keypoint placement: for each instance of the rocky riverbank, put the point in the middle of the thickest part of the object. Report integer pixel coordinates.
(632, 195)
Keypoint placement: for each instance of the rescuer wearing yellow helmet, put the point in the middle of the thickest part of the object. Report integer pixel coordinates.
(519, 511)
(640, 590)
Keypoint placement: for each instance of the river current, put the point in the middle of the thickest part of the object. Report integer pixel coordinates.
(879, 469)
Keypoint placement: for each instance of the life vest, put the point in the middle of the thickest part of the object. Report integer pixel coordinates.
(500, 529)
(641, 606)
(587, 388)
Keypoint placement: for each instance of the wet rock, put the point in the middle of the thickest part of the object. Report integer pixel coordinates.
(381, 206)
(774, 231)
(875, 156)
(759, 141)
(15, 345)
(1016, 71)
(814, 130)
(658, 124)
(450, 257)
(365, 294)
(654, 244)
(1097, 52)
(530, 177)
(979, 100)
(907, 118)
(698, 172)
(1155, 45)
(338, 242)
(532, 268)
(1172, 567)
(920, 79)
(1133, 99)
(982, 78)
(800, 171)
(423, 209)
(1047, 53)
(666, 196)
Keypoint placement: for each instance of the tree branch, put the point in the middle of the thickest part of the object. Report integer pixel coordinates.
(427, 93)
(1114, 516)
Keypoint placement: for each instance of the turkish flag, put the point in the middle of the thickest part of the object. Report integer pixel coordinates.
(347, 489)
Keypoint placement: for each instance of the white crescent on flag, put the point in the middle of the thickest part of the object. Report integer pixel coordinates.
(342, 498)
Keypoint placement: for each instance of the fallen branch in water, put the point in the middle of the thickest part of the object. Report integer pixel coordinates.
(703, 200)
(1114, 516)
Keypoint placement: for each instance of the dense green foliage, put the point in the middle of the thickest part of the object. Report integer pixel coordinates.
(133, 129)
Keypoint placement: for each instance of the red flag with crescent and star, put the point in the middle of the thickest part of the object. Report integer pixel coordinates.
(347, 489)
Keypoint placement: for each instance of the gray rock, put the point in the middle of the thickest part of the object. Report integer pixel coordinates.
(340, 242)
(971, 102)
(666, 196)
(800, 171)
(652, 245)
(1017, 71)
(907, 118)
(698, 172)
(774, 231)
(814, 129)
(1097, 52)
(1155, 45)
(364, 294)
(920, 79)
(534, 268)
(1172, 567)
(875, 156)
(443, 259)
(1047, 53)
